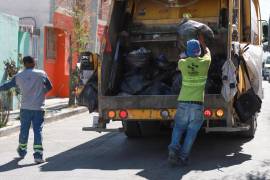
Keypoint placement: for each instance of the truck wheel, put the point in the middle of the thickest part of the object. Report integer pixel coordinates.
(150, 128)
(251, 132)
(131, 129)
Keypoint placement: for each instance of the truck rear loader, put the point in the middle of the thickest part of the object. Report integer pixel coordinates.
(152, 24)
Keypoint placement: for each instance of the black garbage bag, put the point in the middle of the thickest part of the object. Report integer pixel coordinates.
(214, 81)
(133, 83)
(157, 88)
(213, 85)
(151, 72)
(89, 96)
(138, 58)
(176, 83)
(189, 29)
(162, 63)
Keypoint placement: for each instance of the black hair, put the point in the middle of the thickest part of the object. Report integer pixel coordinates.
(28, 60)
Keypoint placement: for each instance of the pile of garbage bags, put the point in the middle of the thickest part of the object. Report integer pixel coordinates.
(138, 58)
(148, 75)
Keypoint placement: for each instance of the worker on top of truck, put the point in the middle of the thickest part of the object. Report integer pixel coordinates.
(189, 114)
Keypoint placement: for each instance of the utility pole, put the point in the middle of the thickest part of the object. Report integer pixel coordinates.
(71, 83)
(268, 38)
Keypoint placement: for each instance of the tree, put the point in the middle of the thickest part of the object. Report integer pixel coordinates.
(78, 38)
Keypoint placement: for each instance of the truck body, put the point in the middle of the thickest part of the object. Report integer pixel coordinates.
(152, 24)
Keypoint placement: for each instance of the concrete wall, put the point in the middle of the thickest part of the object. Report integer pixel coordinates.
(38, 9)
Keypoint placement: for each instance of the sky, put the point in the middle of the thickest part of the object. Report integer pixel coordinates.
(265, 9)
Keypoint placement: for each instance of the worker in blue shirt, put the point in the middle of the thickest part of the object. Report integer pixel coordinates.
(33, 85)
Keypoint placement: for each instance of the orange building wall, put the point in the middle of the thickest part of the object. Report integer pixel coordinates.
(58, 68)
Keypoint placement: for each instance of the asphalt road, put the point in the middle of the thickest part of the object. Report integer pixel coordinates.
(73, 154)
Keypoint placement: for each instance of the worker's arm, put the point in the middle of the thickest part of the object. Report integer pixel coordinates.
(207, 54)
(8, 85)
(180, 62)
(48, 84)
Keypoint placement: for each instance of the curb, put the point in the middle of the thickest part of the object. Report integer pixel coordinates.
(51, 118)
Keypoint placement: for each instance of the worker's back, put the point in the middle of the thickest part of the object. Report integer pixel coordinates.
(31, 82)
(194, 73)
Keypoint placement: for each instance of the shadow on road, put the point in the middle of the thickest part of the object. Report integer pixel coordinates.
(13, 164)
(114, 151)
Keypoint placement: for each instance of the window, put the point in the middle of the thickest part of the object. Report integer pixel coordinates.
(267, 61)
(50, 43)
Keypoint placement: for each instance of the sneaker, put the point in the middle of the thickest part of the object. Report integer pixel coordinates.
(184, 162)
(39, 160)
(21, 153)
(173, 158)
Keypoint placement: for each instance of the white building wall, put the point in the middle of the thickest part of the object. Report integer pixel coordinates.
(38, 9)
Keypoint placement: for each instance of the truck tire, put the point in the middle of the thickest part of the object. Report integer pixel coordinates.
(251, 132)
(132, 129)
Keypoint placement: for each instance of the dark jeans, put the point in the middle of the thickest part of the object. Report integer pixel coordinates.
(188, 119)
(35, 117)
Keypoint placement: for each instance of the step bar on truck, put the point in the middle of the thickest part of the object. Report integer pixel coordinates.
(102, 129)
(207, 130)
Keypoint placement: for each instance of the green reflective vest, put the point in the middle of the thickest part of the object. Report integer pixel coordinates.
(194, 76)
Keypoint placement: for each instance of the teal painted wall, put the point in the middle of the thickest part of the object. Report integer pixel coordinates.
(24, 43)
(9, 28)
(40, 63)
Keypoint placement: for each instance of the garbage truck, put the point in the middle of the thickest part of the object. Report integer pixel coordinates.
(137, 81)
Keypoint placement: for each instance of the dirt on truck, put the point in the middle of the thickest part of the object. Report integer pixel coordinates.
(137, 80)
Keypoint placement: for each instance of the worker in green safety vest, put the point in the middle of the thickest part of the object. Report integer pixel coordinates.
(189, 114)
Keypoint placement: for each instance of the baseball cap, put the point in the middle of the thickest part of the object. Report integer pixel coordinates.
(193, 48)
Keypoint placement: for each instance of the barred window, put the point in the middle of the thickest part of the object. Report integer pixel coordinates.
(50, 43)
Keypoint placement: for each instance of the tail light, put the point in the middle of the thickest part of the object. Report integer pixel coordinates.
(219, 113)
(123, 114)
(111, 114)
(207, 113)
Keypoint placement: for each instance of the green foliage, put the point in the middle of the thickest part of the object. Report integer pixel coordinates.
(79, 42)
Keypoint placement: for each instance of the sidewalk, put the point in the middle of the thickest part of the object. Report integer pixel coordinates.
(55, 109)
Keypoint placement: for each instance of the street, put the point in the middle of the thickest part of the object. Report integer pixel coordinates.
(73, 154)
